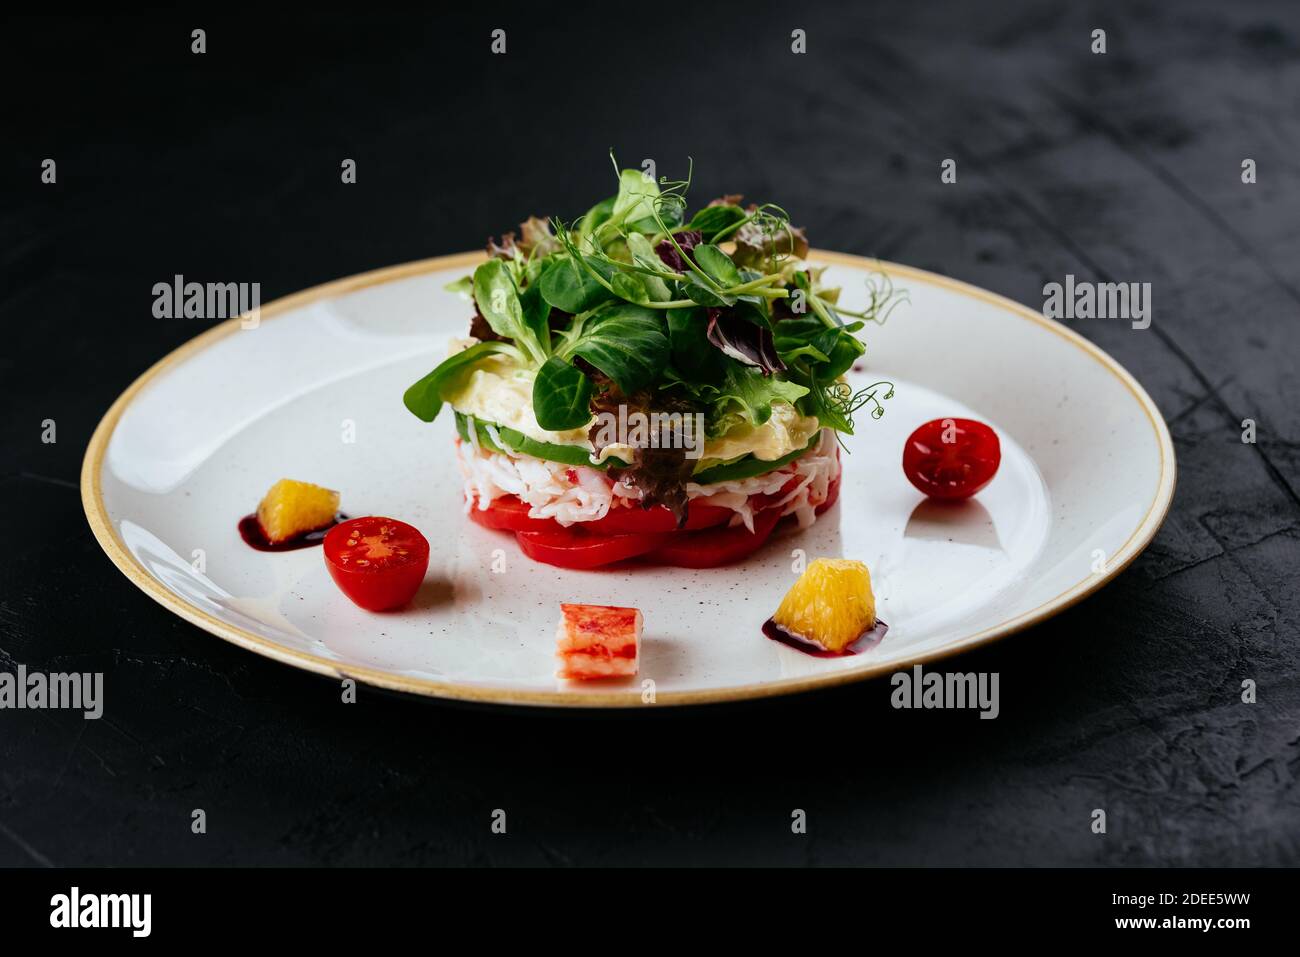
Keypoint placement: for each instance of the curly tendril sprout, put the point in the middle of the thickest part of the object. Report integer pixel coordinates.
(846, 402)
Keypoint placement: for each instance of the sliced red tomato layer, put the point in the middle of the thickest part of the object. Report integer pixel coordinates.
(575, 548)
(509, 514)
(649, 534)
(624, 520)
(716, 546)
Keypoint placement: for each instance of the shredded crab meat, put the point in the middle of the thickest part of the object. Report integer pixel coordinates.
(572, 494)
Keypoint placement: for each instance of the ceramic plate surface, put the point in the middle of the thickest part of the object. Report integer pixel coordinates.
(1087, 470)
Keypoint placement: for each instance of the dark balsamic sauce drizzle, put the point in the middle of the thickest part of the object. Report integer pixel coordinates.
(250, 530)
(865, 641)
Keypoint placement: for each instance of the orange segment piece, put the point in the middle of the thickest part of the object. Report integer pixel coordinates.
(293, 508)
(831, 604)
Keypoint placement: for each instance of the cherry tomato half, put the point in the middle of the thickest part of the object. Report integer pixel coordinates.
(952, 458)
(378, 562)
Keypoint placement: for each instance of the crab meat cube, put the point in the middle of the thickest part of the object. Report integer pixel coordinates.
(598, 641)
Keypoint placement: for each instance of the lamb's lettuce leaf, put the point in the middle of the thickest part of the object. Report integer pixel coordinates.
(717, 264)
(713, 220)
(625, 341)
(561, 396)
(568, 286)
(498, 302)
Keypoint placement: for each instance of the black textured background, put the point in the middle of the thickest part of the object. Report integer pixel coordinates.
(1118, 167)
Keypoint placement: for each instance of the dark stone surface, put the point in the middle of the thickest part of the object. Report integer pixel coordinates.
(1124, 166)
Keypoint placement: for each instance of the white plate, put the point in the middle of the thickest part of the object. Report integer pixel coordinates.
(1086, 478)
